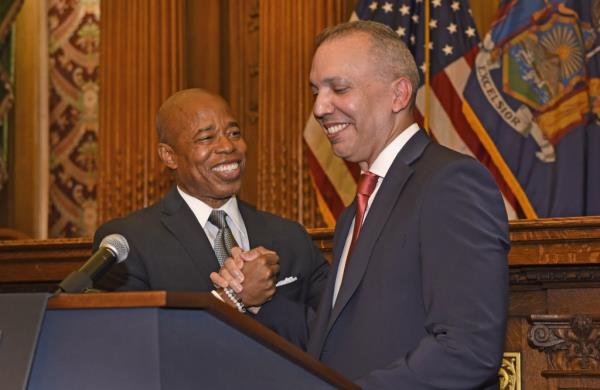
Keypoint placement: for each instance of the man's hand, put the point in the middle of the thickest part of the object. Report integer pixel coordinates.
(252, 275)
(260, 269)
(230, 274)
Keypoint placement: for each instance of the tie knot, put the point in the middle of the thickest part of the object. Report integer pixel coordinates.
(217, 218)
(367, 183)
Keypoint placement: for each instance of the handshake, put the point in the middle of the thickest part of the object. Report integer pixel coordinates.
(252, 275)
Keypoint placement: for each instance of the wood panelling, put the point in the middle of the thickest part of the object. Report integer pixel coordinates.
(39, 265)
(139, 69)
(27, 189)
(50, 260)
(287, 32)
(556, 241)
(240, 86)
(203, 44)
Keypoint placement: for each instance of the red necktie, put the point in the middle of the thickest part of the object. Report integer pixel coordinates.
(366, 186)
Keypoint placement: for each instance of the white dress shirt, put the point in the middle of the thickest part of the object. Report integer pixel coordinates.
(380, 167)
(234, 219)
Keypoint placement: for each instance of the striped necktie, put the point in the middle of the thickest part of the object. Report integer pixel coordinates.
(224, 240)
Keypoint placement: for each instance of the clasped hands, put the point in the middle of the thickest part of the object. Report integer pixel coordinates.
(252, 275)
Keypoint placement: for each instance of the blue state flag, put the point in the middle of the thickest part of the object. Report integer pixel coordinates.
(533, 98)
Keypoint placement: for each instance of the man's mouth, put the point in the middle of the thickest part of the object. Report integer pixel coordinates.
(228, 171)
(227, 167)
(332, 129)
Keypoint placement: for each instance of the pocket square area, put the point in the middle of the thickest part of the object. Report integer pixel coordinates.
(288, 280)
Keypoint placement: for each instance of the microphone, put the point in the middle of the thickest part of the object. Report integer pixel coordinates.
(113, 249)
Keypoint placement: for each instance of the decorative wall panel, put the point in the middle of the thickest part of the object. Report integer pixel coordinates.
(74, 44)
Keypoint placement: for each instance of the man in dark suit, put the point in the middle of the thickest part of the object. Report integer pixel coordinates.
(417, 296)
(171, 243)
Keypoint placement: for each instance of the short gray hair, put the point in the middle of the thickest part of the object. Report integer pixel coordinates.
(387, 49)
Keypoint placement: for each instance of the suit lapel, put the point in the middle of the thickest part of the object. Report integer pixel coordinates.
(258, 232)
(342, 230)
(387, 196)
(318, 331)
(179, 219)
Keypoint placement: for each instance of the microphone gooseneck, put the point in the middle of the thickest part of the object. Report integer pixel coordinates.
(113, 249)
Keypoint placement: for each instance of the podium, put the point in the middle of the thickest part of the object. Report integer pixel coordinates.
(164, 340)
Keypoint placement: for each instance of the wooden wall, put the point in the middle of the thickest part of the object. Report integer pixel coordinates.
(222, 56)
(256, 53)
(139, 69)
(24, 202)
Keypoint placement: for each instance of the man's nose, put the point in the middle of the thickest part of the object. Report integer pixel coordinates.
(322, 105)
(225, 144)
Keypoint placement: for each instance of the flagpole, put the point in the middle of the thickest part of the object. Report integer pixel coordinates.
(427, 67)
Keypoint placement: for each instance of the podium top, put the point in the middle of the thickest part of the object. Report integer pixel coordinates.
(203, 301)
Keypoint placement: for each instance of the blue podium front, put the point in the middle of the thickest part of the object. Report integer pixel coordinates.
(163, 348)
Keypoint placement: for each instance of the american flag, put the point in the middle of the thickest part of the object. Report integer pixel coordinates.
(453, 45)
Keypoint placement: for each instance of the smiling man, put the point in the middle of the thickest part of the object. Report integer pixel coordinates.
(178, 242)
(417, 294)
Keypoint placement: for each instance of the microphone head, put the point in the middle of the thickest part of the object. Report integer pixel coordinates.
(117, 244)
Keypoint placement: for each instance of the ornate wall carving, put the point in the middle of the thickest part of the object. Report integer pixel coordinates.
(510, 371)
(571, 343)
(74, 45)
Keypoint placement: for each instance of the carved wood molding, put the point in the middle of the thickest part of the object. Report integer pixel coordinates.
(570, 342)
(32, 265)
(575, 239)
(555, 241)
(323, 239)
(563, 274)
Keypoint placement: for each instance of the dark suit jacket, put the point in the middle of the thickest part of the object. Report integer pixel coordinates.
(169, 250)
(423, 303)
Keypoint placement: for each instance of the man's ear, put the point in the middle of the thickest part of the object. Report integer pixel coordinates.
(402, 92)
(167, 155)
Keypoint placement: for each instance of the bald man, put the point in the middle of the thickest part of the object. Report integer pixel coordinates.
(172, 242)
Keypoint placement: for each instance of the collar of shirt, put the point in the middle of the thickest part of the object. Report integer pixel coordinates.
(380, 167)
(384, 161)
(234, 219)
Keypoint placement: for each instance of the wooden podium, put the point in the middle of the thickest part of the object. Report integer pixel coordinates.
(162, 340)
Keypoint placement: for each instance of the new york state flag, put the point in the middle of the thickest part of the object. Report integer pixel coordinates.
(533, 98)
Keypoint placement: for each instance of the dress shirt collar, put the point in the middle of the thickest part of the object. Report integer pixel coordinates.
(202, 211)
(384, 161)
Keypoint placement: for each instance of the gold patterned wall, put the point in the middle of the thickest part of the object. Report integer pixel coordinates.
(74, 43)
